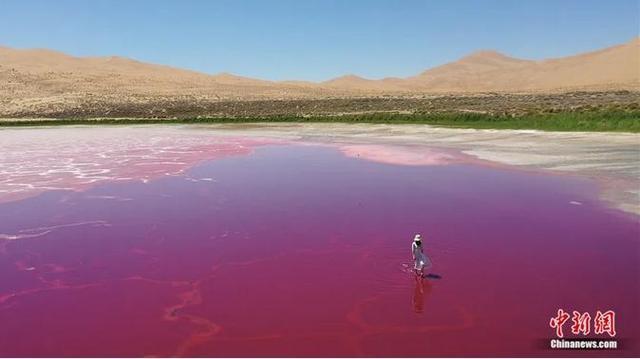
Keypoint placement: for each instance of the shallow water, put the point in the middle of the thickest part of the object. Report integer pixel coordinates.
(170, 241)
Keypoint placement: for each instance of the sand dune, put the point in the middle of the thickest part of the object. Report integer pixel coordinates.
(45, 79)
(617, 66)
(614, 67)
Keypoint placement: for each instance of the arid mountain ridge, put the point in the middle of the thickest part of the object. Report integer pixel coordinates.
(45, 81)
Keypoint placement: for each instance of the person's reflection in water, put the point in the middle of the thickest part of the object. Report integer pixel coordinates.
(420, 294)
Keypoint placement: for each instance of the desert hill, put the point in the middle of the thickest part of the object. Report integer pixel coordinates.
(42, 80)
(616, 67)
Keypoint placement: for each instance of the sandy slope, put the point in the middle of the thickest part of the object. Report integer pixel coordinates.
(613, 67)
(43, 73)
(45, 79)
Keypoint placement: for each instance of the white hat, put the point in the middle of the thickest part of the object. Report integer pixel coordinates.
(417, 238)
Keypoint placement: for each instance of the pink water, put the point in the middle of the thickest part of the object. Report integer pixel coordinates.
(237, 247)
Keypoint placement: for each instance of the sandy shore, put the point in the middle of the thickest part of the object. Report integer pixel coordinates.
(612, 159)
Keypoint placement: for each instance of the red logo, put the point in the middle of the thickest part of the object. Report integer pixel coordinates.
(602, 323)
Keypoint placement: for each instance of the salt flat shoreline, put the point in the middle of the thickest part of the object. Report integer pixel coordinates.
(611, 159)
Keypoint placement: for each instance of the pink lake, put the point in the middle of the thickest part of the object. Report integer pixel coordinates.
(161, 241)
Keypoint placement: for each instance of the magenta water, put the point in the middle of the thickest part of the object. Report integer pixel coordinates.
(238, 247)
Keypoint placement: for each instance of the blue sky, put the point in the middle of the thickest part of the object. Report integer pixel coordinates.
(316, 39)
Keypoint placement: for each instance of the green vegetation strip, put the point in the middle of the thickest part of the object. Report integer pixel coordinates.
(602, 121)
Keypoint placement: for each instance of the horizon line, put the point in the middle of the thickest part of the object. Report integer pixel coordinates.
(316, 82)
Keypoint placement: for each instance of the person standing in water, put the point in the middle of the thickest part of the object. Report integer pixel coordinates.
(421, 261)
